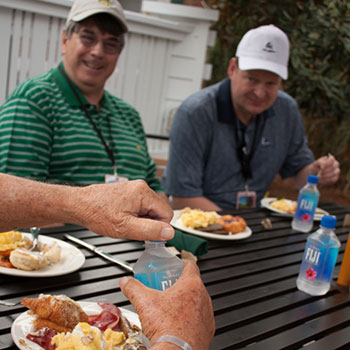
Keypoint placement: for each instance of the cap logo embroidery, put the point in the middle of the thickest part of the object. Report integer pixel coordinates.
(269, 47)
(105, 2)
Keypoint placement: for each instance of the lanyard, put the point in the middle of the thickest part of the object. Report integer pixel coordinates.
(244, 155)
(108, 150)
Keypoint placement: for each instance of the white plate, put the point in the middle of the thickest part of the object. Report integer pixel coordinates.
(23, 324)
(176, 222)
(265, 202)
(71, 260)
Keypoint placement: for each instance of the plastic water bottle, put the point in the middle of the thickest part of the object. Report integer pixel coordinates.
(157, 267)
(307, 204)
(319, 259)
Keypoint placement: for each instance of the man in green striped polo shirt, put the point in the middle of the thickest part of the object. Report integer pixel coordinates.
(62, 126)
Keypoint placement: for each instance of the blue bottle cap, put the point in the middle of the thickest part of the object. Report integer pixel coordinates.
(328, 221)
(313, 179)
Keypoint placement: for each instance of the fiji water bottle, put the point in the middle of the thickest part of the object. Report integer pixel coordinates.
(319, 259)
(157, 267)
(306, 206)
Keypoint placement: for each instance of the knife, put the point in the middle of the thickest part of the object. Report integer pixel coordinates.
(98, 251)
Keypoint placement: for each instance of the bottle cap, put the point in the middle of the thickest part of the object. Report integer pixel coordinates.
(328, 221)
(313, 179)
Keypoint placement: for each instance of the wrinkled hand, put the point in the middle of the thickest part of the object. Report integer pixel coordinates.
(183, 310)
(125, 210)
(328, 170)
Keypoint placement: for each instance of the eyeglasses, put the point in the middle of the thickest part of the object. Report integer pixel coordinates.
(110, 46)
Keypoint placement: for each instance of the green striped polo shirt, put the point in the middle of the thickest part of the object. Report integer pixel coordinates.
(45, 135)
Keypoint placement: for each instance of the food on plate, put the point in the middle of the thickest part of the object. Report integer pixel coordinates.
(51, 252)
(15, 252)
(88, 337)
(232, 224)
(11, 240)
(211, 222)
(284, 205)
(195, 218)
(107, 330)
(59, 313)
(26, 260)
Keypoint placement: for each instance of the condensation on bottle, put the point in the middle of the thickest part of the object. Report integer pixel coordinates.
(319, 258)
(307, 203)
(157, 267)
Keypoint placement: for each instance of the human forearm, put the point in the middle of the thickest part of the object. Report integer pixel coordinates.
(194, 202)
(301, 177)
(25, 203)
(130, 209)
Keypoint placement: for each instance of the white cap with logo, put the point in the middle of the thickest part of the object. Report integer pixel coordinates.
(265, 48)
(82, 9)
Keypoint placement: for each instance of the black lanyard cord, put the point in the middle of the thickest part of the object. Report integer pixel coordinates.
(108, 150)
(243, 155)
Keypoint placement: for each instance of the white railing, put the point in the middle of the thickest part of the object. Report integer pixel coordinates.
(163, 61)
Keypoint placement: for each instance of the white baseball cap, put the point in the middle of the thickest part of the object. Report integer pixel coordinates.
(82, 9)
(265, 48)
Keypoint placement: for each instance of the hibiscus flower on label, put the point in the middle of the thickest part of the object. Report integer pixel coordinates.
(306, 217)
(311, 274)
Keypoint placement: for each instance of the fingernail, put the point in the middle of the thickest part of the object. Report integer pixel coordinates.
(123, 281)
(166, 233)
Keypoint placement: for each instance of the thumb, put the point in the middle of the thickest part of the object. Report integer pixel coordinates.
(150, 230)
(134, 290)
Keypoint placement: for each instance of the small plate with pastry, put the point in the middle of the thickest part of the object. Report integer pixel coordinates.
(55, 258)
(286, 207)
(59, 321)
(210, 225)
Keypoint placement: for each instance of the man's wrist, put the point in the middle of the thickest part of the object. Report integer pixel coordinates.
(165, 346)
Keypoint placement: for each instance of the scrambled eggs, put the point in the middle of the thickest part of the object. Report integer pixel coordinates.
(86, 337)
(284, 205)
(11, 240)
(193, 218)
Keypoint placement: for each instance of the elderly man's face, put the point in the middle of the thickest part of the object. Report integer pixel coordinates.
(90, 56)
(253, 91)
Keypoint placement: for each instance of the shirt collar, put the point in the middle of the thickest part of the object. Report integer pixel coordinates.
(68, 93)
(226, 112)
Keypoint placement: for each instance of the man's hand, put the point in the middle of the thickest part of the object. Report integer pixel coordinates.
(184, 310)
(327, 169)
(125, 210)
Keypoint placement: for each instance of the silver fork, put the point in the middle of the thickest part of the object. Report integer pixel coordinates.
(35, 233)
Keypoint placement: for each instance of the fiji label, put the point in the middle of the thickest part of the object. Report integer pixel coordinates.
(306, 208)
(160, 280)
(318, 263)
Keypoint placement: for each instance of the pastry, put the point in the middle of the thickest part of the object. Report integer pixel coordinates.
(56, 312)
(27, 260)
(232, 224)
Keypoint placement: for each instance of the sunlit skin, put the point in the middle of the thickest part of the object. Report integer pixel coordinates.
(89, 67)
(253, 91)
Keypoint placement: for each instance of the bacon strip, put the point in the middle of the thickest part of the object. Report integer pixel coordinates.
(108, 318)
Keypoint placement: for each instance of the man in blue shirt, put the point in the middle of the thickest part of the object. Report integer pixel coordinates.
(228, 141)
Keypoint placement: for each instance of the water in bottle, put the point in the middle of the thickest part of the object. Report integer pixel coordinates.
(319, 259)
(157, 267)
(306, 206)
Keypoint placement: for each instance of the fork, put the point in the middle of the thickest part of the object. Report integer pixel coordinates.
(35, 233)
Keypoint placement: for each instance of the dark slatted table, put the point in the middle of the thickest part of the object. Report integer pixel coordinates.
(252, 284)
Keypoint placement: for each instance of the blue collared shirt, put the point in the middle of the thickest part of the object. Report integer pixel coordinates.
(203, 147)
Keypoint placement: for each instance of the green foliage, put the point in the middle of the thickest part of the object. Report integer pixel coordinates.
(319, 65)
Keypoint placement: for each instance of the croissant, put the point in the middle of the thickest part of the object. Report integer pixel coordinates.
(59, 310)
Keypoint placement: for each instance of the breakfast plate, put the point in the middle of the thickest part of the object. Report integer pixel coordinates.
(266, 203)
(176, 222)
(71, 260)
(23, 324)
